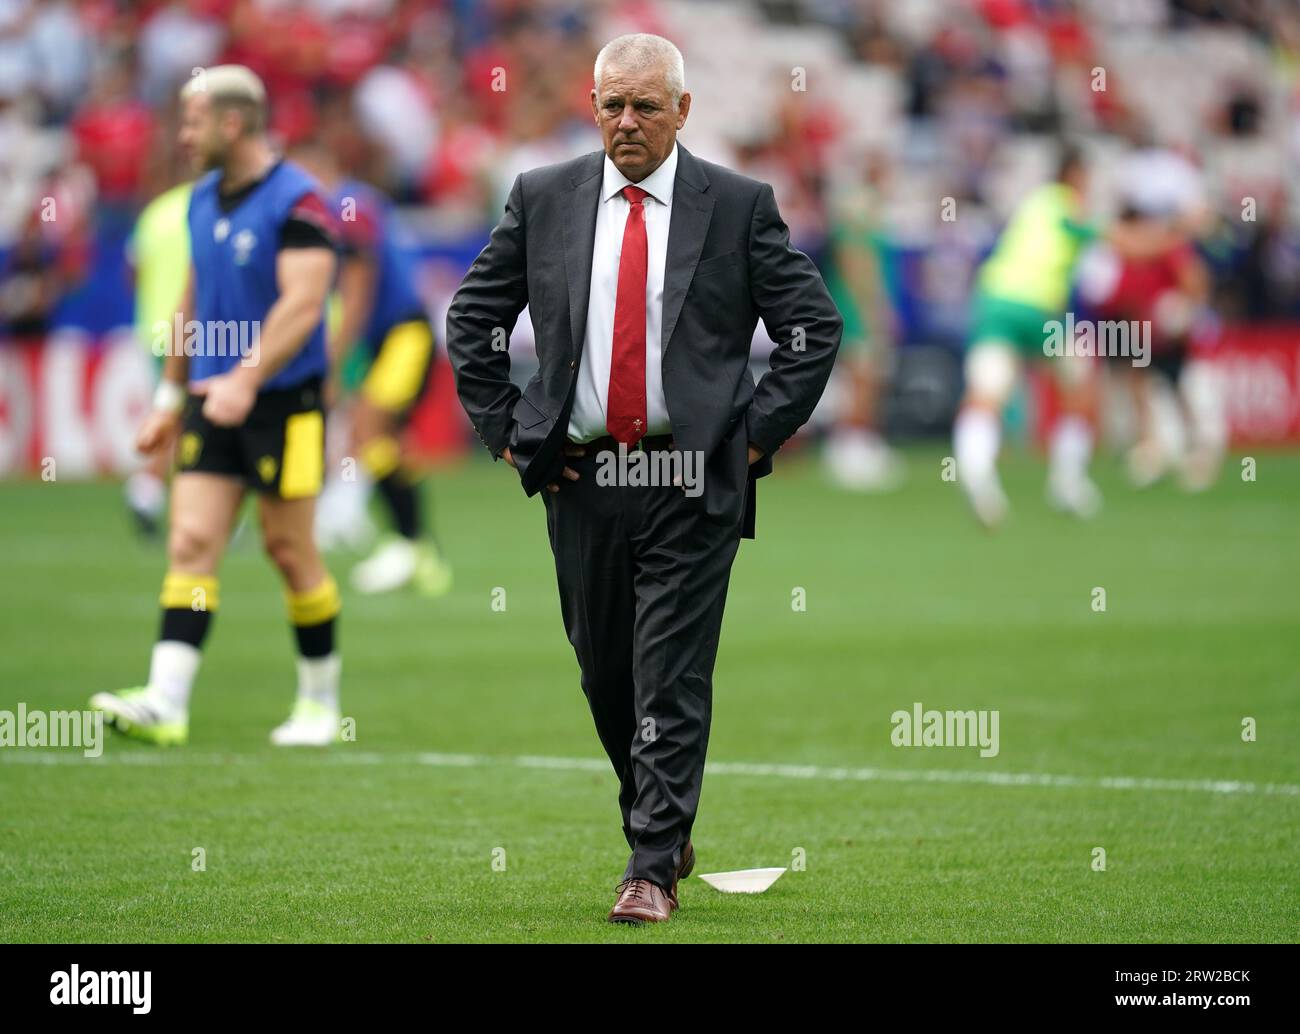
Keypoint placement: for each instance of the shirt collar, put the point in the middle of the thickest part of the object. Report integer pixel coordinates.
(659, 184)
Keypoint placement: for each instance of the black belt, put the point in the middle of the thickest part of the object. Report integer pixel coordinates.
(650, 443)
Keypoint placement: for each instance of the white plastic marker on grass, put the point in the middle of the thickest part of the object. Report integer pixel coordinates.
(742, 881)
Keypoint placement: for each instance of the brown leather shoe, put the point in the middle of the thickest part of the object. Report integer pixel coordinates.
(683, 870)
(640, 901)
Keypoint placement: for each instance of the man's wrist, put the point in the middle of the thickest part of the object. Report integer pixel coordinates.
(250, 376)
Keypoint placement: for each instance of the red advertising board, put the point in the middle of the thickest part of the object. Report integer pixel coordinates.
(78, 403)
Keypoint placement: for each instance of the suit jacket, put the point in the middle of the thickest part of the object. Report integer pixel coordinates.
(729, 263)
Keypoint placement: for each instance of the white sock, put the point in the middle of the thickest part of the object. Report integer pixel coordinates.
(348, 500)
(318, 679)
(146, 493)
(976, 437)
(171, 671)
(1071, 449)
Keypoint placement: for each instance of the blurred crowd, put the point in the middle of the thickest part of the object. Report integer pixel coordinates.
(917, 123)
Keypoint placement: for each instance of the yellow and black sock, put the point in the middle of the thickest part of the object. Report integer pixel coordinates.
(188, 602)
(313, 614)
(382, 458)
(403, 501)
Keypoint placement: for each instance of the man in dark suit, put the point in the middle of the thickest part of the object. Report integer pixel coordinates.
(644, 270)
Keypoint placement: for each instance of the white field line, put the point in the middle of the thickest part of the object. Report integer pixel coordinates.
(347, 756)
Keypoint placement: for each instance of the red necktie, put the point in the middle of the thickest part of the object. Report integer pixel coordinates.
(625, 411)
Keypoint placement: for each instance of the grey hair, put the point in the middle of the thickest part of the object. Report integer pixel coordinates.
(639, 51)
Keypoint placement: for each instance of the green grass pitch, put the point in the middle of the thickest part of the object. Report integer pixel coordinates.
(391, 837)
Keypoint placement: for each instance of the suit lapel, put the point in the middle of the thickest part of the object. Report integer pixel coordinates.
(579, 214)
(687, 228)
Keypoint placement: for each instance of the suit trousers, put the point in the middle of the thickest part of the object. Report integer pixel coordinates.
(643, 581)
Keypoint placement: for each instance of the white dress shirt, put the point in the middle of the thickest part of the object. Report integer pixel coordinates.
(587, 421)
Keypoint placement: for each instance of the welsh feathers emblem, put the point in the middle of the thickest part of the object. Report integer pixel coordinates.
(244, 241)
(189, 448)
